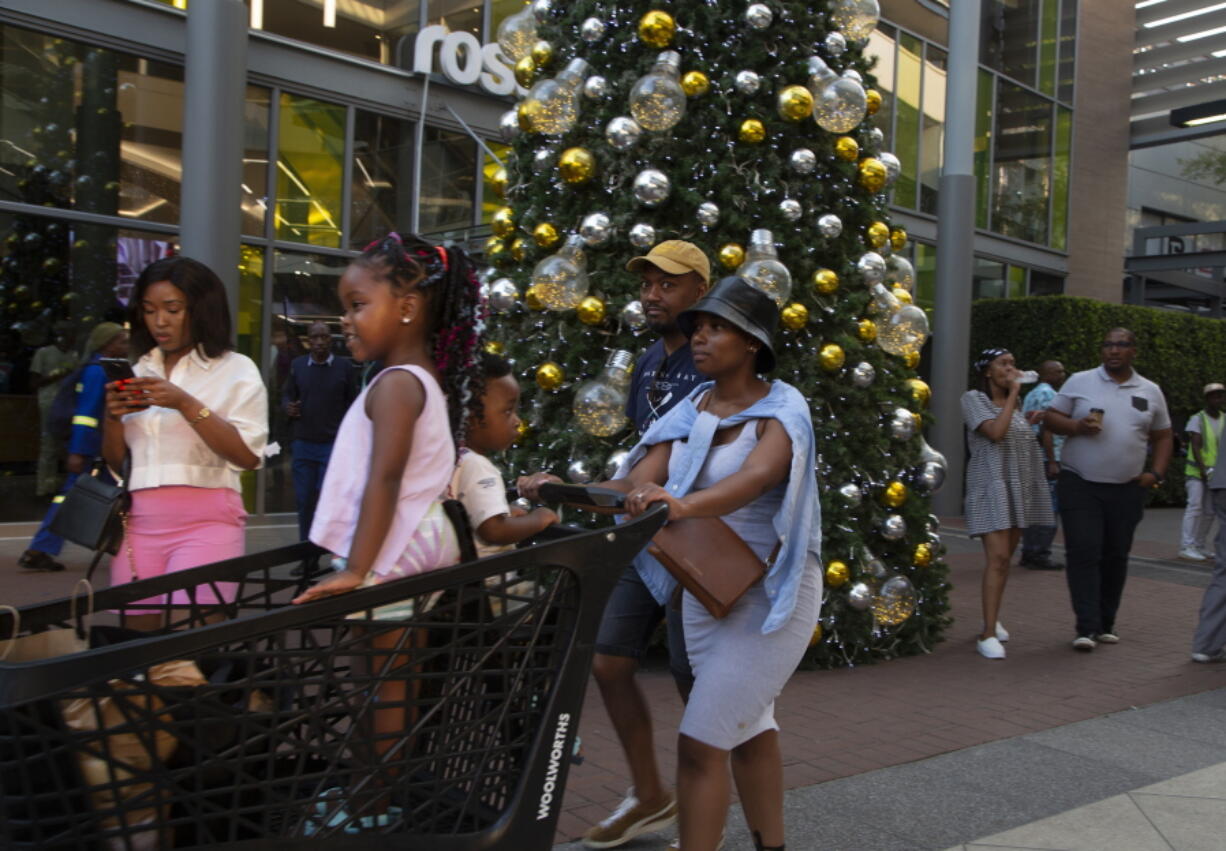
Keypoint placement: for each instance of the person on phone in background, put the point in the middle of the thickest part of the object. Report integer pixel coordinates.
(107, 340)
(1116, 421)
(194, 418)
(49, 366)
(1006, 490)
(316, 395)
(1204, 430)
(1036, 540)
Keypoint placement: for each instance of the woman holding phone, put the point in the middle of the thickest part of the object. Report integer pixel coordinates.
(193, 417)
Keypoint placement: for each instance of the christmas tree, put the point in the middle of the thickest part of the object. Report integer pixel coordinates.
(745, 128)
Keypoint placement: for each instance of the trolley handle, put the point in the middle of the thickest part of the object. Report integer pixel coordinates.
(591, 497)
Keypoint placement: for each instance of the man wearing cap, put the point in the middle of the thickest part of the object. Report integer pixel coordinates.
(1036, 540)
(1204, 430)
(1112, 417)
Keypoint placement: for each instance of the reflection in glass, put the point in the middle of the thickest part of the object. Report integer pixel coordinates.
(311, 149)
(881, 45)
(381, 30)
(1060, 178)
(254, 199)
(381, 188)
(448, 176)
(1068, 50)
(985, 99)
(490, 202)
(1022, 168)
(1008, 33)
(925, 263)
(932, 139)
(1045, 283)
(1017, 281)
(249, 319)
(1048, 46)
(457, 15)
(907, 122)
(988, 279)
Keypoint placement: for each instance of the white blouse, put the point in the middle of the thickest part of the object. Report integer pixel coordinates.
(166, 450)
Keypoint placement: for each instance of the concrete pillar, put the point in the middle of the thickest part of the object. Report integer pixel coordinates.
(955, 251)
(210, 220)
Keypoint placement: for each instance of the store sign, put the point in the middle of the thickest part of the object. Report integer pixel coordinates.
(464, 60)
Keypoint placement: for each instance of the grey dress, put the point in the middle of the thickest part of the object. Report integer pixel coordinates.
(1006, 487)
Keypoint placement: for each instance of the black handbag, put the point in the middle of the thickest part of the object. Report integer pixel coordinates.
(93, 515)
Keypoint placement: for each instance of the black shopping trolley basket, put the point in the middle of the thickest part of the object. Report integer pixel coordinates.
(435, 712)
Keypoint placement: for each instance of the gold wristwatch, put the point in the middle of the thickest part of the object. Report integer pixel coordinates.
(200, 417)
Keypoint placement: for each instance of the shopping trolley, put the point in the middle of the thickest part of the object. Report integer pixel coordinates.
(255, 724)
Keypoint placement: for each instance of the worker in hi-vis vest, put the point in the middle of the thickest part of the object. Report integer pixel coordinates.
(1204, 430)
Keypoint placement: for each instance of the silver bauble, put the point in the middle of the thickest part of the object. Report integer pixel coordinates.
(874, 566)
(893, 167)
(623, 133)
(931, 476)
(747, 82)
(759, 16)
(853, 74)
(790, 209)
(632, 316)
(875, 138)
(503, 294)
(508, 126)
(851, 493)
(595, 87)
(615, 462)
(862, 374)
(927, 453)
(893, 528)
(642, 235)
(544, 158)
(651, 187)
(707, 214)
(871, 267)
(835, 43)
(541, 10)
(591, 29)
(933, 523)
(577, 472)
(830, 225)
(902, 424)
(803, 161)
(860, 596)
(596, 229)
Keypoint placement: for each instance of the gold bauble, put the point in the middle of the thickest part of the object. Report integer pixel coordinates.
(902, 295)
(752, 131)
(877, 235)
(831, 357)
(872, 174)
(695, 84)
(846, 148)
(576, 165)
(533, 299)
(503, 222)
(816, 637)
(498, 182)
(527, 113)
(898, 239)
(866, 330)
(731, 255)
(825, 281)
(545, 235)
(525, 72)
(542, 53)
(920, 391)
(657, 28)
(493, 347)
(494, 244)
(894, 495)
(591, 311)
(837, 573)
(795, 103)
(496, 254)
(549, 376)
(918, 419)
(795, 316)
(522, 430)
(518, 249)
(874, 100)
(911, 359)
(922, 557)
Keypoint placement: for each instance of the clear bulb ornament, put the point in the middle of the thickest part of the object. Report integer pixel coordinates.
(855, 18)
(657, 100)
(762, 268)
(560, 280)
(517, 34)
(903, 328)
(839, 103)
(600, 404)
(552, 106)
(894, 602)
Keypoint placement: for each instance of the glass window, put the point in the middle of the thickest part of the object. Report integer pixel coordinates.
(988, 279)
(457, 15)
(1045, 283)
(907, 120)
(925, 274)
(932, 141)
(1017, 281)
(984, 110)
(882, 47)
(1022, 165)
(381, 30)
(1060, 178)
(255, 159)
(248, 323)
(311, 150)
(381, 188)
(448, 178)
(1068, 49)
(490, 202)
(1008, 34)
(1048, 46)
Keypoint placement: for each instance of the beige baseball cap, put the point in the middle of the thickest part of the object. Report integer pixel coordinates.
(1214, 387)
(676, 257)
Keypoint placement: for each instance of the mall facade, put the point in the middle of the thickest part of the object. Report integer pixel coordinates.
(362, 116)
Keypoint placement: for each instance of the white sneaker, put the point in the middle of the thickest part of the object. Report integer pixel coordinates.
(1107, 638)
(1084, 643)
(1205, 658)
(1002, 634)
(991, 648)
(1189, 554)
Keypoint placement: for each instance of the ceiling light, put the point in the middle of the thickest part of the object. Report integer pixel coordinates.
(257, 14)
(1184, 39)
(1184, 16)
(1200, 114)
(1145, 4)
(329, 13)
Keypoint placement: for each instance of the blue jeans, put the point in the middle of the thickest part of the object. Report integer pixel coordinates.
(1036, 540)
(310, 463)
(44, 541)
(630, 619)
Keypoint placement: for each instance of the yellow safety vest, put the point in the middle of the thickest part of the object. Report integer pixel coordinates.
(1208, 448)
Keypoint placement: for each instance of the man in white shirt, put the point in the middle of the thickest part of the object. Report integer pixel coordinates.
(1204, 430)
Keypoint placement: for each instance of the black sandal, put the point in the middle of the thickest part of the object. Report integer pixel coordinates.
(758, 846)
(40, 561)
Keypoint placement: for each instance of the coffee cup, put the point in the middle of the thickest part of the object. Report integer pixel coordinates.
(1096, 416)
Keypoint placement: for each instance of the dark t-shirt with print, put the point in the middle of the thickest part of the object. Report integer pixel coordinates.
(660, 382)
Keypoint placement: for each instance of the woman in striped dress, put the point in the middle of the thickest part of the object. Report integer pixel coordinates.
(1006, 490)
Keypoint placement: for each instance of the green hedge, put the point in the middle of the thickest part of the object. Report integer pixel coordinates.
(1180, 353)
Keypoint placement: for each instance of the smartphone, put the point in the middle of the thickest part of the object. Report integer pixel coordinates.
(116, 369)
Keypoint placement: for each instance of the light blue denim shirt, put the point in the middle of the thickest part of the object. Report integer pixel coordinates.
(798, 522)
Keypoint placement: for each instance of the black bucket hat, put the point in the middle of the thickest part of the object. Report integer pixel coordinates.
(746, 307)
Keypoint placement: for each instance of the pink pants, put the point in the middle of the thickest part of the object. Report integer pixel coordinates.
(176, 527)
